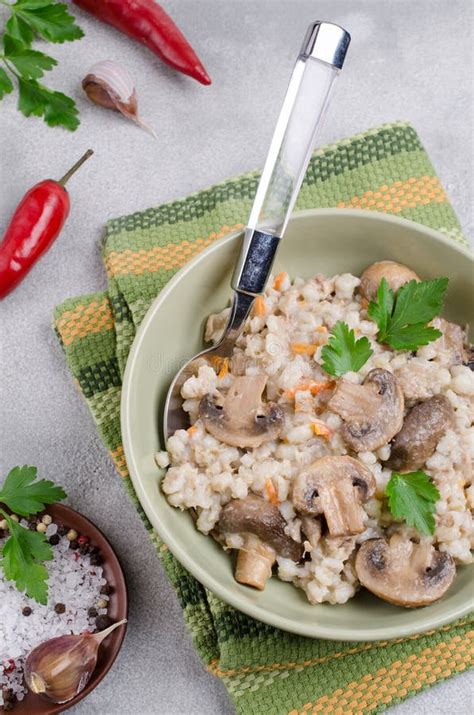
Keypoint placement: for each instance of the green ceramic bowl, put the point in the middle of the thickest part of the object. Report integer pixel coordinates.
(325, 241)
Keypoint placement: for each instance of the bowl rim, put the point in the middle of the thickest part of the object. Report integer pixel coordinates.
(205, 577)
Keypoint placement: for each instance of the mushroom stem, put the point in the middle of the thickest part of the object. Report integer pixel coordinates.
(342, 510)
(254, 565)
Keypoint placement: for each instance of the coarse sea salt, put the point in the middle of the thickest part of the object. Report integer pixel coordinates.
(72, 581)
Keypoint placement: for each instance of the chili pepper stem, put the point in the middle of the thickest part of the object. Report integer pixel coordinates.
(63, 181)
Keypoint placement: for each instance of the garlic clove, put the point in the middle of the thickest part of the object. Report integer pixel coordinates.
(110, 85)
(60, 668)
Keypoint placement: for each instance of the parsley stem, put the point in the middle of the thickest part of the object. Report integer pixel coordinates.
(9, 67)
(2, 512)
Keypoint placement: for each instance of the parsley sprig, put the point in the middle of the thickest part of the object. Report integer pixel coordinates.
(343, 353)
(25, 551)
(412, 497)
(19, 63)
(403, 318)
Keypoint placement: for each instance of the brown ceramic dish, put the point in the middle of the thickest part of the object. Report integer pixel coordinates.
(118, 609)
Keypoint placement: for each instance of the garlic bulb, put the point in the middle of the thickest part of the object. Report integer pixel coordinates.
(110, 85)
(59, 669)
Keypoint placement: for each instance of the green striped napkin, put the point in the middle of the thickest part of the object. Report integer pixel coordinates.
(263, 669)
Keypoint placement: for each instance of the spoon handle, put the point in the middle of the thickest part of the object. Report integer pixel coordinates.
(307, 97)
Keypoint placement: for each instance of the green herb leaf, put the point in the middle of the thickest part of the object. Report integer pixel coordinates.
(29, 63)
(381, 312)
(412, 497)
(6, 85)
(24, 496)
(343, 353)
(22, 554)
(402, 320)
(19, 29)
(56, 108)
(51, 20)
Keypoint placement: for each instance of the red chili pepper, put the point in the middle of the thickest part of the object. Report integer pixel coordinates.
(36, 223)
(147, 22)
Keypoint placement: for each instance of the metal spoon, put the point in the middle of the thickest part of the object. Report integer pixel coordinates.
(318, 64)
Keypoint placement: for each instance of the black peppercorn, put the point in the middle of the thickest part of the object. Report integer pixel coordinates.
(103, 622)
(106, 590)
(92, 612)
(60, 608)
(26, 611)
(83, 549)
(73, 545)
(62, 530)
(54, 540)
(96, 559)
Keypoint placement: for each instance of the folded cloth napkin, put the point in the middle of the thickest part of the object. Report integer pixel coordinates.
(264, 670)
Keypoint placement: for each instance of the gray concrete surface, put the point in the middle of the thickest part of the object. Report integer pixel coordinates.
(409, 60)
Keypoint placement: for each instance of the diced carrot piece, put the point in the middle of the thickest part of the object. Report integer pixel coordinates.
(321, 430)
(192, 430)
(279, 280)
(259, 307)
(224, 368)
(271, 492)
(303, 348)
(321, 329)
(318, 386)
(313, 387)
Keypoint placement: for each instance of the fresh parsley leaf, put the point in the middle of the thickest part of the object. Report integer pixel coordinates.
(51, 20)
(56, 108)
(19, 29)
(381, 312)
(29, 63)
(402, 319)
(343, 353)
(22, 554)
(24, 496)
(412, 497)
(6, 85)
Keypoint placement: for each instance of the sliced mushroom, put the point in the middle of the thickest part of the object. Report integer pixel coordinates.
(422, 429)
(241, 418)
(450, 342)
(404, 573)
(335, 487)
(396, 275)
(262, 528)
(372, 412)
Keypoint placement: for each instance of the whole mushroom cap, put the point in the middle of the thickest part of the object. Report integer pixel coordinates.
(396, 275)
(254, 515)
(404, 573)
(422, 429)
